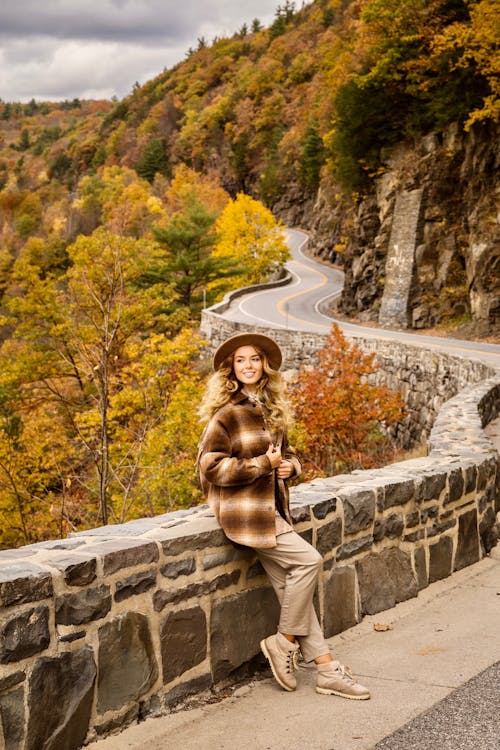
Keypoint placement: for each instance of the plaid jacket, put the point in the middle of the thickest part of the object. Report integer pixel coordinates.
(236, 475)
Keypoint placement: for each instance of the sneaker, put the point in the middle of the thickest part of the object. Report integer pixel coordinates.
(282, 657)
(335, 679)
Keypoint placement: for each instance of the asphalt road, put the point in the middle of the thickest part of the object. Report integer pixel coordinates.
(297, 306)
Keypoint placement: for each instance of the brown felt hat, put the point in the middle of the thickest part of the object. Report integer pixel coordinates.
(268, 346)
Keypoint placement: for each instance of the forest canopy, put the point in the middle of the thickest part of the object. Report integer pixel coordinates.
(119, 220)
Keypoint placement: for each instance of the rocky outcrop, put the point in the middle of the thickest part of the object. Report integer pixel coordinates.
(457, 261)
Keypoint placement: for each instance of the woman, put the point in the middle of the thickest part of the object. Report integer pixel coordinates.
(244, 462)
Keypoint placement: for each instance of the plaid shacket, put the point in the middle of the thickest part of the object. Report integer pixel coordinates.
(236, 475)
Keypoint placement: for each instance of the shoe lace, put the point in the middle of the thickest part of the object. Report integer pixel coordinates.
(346, 672)
(292, 661)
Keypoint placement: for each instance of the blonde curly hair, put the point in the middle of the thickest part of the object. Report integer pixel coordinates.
(270, 391)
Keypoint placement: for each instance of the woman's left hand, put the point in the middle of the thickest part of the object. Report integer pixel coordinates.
(285, 470)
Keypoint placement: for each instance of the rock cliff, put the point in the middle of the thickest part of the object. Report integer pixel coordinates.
(455, 266)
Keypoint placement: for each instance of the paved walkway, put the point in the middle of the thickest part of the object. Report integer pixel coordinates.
(434, 665)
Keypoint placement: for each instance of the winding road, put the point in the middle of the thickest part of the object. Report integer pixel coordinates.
(298, 306)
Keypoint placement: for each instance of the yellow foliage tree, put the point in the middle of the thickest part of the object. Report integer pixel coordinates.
(250, 237)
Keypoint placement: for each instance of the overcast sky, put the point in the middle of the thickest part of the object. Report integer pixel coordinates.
(96, 49)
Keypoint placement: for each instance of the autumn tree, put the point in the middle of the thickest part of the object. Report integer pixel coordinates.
(342, 417)
(73, 339)
(249, 239)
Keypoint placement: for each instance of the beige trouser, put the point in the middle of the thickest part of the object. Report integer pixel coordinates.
(293, 567)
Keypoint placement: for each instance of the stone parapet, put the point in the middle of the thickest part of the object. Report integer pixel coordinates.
(117, 623)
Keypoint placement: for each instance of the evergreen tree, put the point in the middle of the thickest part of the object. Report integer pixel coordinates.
(187, 259)
(24, 141)
(313, 156)
(153, 160)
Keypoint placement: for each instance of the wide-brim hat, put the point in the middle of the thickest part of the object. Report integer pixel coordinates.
(267, 345)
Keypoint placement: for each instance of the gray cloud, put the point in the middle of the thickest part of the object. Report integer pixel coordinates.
(60, 49)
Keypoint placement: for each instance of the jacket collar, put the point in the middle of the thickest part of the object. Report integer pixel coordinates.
(238, 397)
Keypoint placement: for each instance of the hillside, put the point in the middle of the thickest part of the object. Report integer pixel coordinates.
(120, 220)
(307, 111)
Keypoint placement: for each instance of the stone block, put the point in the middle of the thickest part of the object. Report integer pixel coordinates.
(414, 536)
(412, 519)
(12, 719)
(78, 570)
(421, 568)
(470, 478)
(359, 511)
(127, 663)
(430, 487)
(349, 549)
(468, 548)
(84, 606)
(24, 634)
(455, 485)
(188, 538)
(60, 701)
(135, 584)
(124, 553)
(440, 555)
(72, 637)
(183, 638)
(238, 624)
(163, 597)
(179, 568)
(394, 525)
(322, 508)
(340, 595)
(300, 513)
(329, 536)
(379, 530)
(22, 582)
(431, 512)
(483, 474)
(488, 531)
(225, 557)
(401, 572)
(385, 579)
(376, 588)
(10, 680)
(440, 527)
(398, 493)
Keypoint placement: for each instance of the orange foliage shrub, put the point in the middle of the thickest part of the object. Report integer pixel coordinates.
(342, 418)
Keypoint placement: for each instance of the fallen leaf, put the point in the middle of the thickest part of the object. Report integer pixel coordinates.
(430, 650)
(381, 628)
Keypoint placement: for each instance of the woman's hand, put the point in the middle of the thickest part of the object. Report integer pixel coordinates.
(285, 469)
(274, 455)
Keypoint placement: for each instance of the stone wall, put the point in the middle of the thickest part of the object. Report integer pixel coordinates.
(117, 623)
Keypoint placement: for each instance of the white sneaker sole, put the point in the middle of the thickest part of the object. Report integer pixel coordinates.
(276, 676)
(327, 691)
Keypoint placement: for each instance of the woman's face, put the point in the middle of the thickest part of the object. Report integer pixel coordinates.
(247, 365)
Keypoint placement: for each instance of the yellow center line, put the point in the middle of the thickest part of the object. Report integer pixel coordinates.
(282, 302)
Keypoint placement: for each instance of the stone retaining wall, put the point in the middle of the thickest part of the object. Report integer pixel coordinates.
(117, 623)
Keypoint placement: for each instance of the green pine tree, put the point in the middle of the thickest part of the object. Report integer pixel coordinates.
(187, 261)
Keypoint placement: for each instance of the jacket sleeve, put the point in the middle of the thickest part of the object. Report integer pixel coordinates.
(289, 454)
(220, 468)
